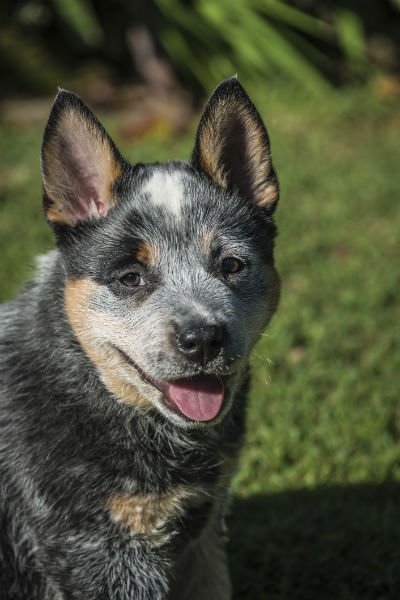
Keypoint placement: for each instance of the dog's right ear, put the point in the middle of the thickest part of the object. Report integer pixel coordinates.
(80, 163)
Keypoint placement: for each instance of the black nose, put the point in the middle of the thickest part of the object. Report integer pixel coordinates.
(201, 344)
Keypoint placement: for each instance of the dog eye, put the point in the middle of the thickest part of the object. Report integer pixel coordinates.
(231, 265)
(132, 280)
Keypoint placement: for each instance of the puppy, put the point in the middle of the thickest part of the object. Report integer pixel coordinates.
(123, 366)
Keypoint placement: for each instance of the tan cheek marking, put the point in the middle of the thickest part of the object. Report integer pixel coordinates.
(147, 253)
(78, 293)
(148, 514)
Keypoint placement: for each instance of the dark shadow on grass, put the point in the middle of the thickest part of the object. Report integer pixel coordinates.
(336, 543)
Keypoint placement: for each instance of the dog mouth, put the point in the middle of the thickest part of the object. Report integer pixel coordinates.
(197, 398)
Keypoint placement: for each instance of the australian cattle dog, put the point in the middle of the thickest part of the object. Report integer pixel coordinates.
(124, 363)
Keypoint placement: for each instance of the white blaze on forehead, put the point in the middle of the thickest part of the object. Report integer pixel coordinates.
(166, 190)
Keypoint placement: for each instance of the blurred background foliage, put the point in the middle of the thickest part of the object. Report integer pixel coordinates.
(194, 42)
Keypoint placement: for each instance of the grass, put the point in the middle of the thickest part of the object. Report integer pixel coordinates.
(316, 500)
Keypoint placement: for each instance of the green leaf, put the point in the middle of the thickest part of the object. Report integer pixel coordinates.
(351, 36)
(80, 15)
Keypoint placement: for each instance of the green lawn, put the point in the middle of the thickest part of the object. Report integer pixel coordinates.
(316, 513)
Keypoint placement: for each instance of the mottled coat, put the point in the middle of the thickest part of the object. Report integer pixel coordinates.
(107, 489)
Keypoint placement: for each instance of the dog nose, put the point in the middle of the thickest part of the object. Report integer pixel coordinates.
(201, 344)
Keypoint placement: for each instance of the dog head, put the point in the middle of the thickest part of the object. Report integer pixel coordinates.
(170, 275)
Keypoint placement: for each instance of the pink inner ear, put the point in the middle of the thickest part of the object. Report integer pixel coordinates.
(85, 182)
(84, 201)
(101, 207)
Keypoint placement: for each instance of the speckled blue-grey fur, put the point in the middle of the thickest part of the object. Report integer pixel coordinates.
(78, 462)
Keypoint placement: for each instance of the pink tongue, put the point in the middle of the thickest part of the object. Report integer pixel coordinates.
(199, 398)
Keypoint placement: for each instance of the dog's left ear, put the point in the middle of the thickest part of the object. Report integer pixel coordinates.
(232, 146)
(80, 164)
